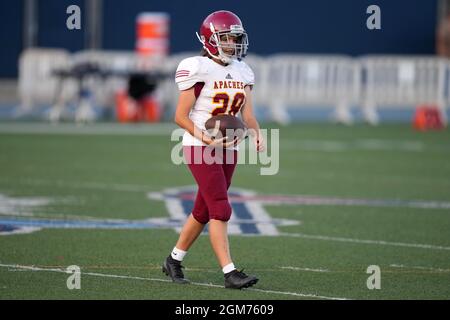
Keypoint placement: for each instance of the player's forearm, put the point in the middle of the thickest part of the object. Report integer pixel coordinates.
(253, 126)
(187, 124)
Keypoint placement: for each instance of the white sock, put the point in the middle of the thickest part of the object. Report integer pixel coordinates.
(228, 268)
(178, 254)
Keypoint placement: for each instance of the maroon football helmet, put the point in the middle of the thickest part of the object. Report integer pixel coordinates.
(223, 36)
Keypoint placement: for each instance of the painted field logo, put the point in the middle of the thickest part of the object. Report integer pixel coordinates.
(19, 207)
(248, 217)
(17, 214)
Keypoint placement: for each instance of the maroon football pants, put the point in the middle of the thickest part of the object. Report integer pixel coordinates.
(213, 172)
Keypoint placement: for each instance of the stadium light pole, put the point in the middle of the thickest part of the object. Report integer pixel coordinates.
(94, 20)
(30, 24)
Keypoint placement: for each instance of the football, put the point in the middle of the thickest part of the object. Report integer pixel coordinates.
(227, 125)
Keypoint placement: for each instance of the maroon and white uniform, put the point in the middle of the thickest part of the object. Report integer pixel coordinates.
(219, 89)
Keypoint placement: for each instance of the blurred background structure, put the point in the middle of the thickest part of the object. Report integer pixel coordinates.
(313, 61)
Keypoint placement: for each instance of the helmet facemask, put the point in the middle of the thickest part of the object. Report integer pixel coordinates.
(227, 49)
(230, 44)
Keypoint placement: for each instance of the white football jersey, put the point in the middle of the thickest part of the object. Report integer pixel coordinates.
(219, 89)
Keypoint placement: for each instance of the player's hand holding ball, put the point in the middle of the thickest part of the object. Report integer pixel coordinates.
(224, 131)
(218, 142)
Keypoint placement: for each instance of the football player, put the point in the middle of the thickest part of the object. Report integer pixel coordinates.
(218, 82)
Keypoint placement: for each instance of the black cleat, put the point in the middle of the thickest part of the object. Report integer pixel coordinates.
(238, 280)
(172, 268)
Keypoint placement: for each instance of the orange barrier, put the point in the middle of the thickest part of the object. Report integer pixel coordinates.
(152, 33)
(152, 41)
(129, 110)
(427, 117)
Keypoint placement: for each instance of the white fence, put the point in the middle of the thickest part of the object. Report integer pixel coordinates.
(303, 80)
(37, 83)
(403, 81)
(283, 81)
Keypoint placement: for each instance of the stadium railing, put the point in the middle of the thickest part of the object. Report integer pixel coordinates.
(297, 81)
(403, 81)
(284, 81)
(37, 82)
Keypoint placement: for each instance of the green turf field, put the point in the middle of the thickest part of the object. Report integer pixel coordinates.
(105, 172)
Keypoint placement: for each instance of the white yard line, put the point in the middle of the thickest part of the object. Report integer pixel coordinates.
(362, 241)
(347, 145)
(160, 129)
(402, 266)
(304, 269)
(297, 294)
(84, 185)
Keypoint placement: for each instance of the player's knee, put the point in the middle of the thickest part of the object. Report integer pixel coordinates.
(221, 210)
(202, 217)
